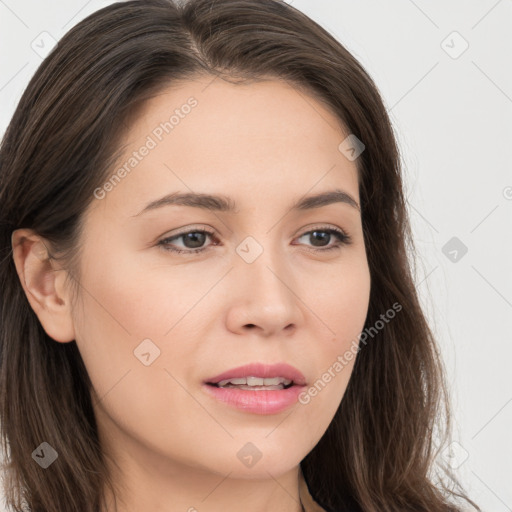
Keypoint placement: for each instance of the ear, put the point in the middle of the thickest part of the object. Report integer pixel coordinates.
(43, 284)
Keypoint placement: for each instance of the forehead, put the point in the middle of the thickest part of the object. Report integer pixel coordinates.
(244, 140)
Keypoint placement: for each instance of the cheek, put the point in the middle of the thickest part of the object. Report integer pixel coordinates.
(341, 306)
(124, 309)
(117, 312)
(340, 302)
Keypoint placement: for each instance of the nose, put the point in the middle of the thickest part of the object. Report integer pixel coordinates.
(264, 297)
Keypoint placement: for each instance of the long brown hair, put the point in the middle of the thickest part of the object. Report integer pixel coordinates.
(378, 454)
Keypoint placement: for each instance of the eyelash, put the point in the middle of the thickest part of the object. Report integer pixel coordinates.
(343, 239)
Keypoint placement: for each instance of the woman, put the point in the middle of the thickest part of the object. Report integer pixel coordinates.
(207, 298)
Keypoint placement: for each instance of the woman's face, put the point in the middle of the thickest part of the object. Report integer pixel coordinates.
(272, 284)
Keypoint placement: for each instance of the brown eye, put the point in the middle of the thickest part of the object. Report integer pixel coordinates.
(320, 237)
(192, 240)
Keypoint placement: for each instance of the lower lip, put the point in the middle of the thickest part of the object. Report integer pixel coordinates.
(257, 401)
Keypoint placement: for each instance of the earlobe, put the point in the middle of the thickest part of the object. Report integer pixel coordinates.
(43, 284)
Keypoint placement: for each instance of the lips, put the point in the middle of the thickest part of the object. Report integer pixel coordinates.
(271, 398)
(261, 371)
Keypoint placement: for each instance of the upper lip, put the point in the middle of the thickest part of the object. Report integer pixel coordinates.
(263, 371)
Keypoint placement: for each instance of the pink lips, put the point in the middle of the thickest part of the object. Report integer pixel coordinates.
(258, 401)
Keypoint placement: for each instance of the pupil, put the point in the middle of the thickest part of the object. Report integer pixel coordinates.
(192, 237)
(321, 234)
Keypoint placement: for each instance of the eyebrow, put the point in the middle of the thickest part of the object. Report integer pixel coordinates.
(223, 203)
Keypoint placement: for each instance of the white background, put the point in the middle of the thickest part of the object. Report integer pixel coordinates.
(453, 118)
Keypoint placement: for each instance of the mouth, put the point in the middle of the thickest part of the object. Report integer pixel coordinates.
(257, 388)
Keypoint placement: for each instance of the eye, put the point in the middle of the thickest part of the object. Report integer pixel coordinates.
(194, 239)
(322, 236)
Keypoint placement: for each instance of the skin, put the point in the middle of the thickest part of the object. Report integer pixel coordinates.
(265, 145)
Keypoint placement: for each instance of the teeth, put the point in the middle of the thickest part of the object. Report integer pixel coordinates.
(234, 381)
(255, 381)
(255, 388)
